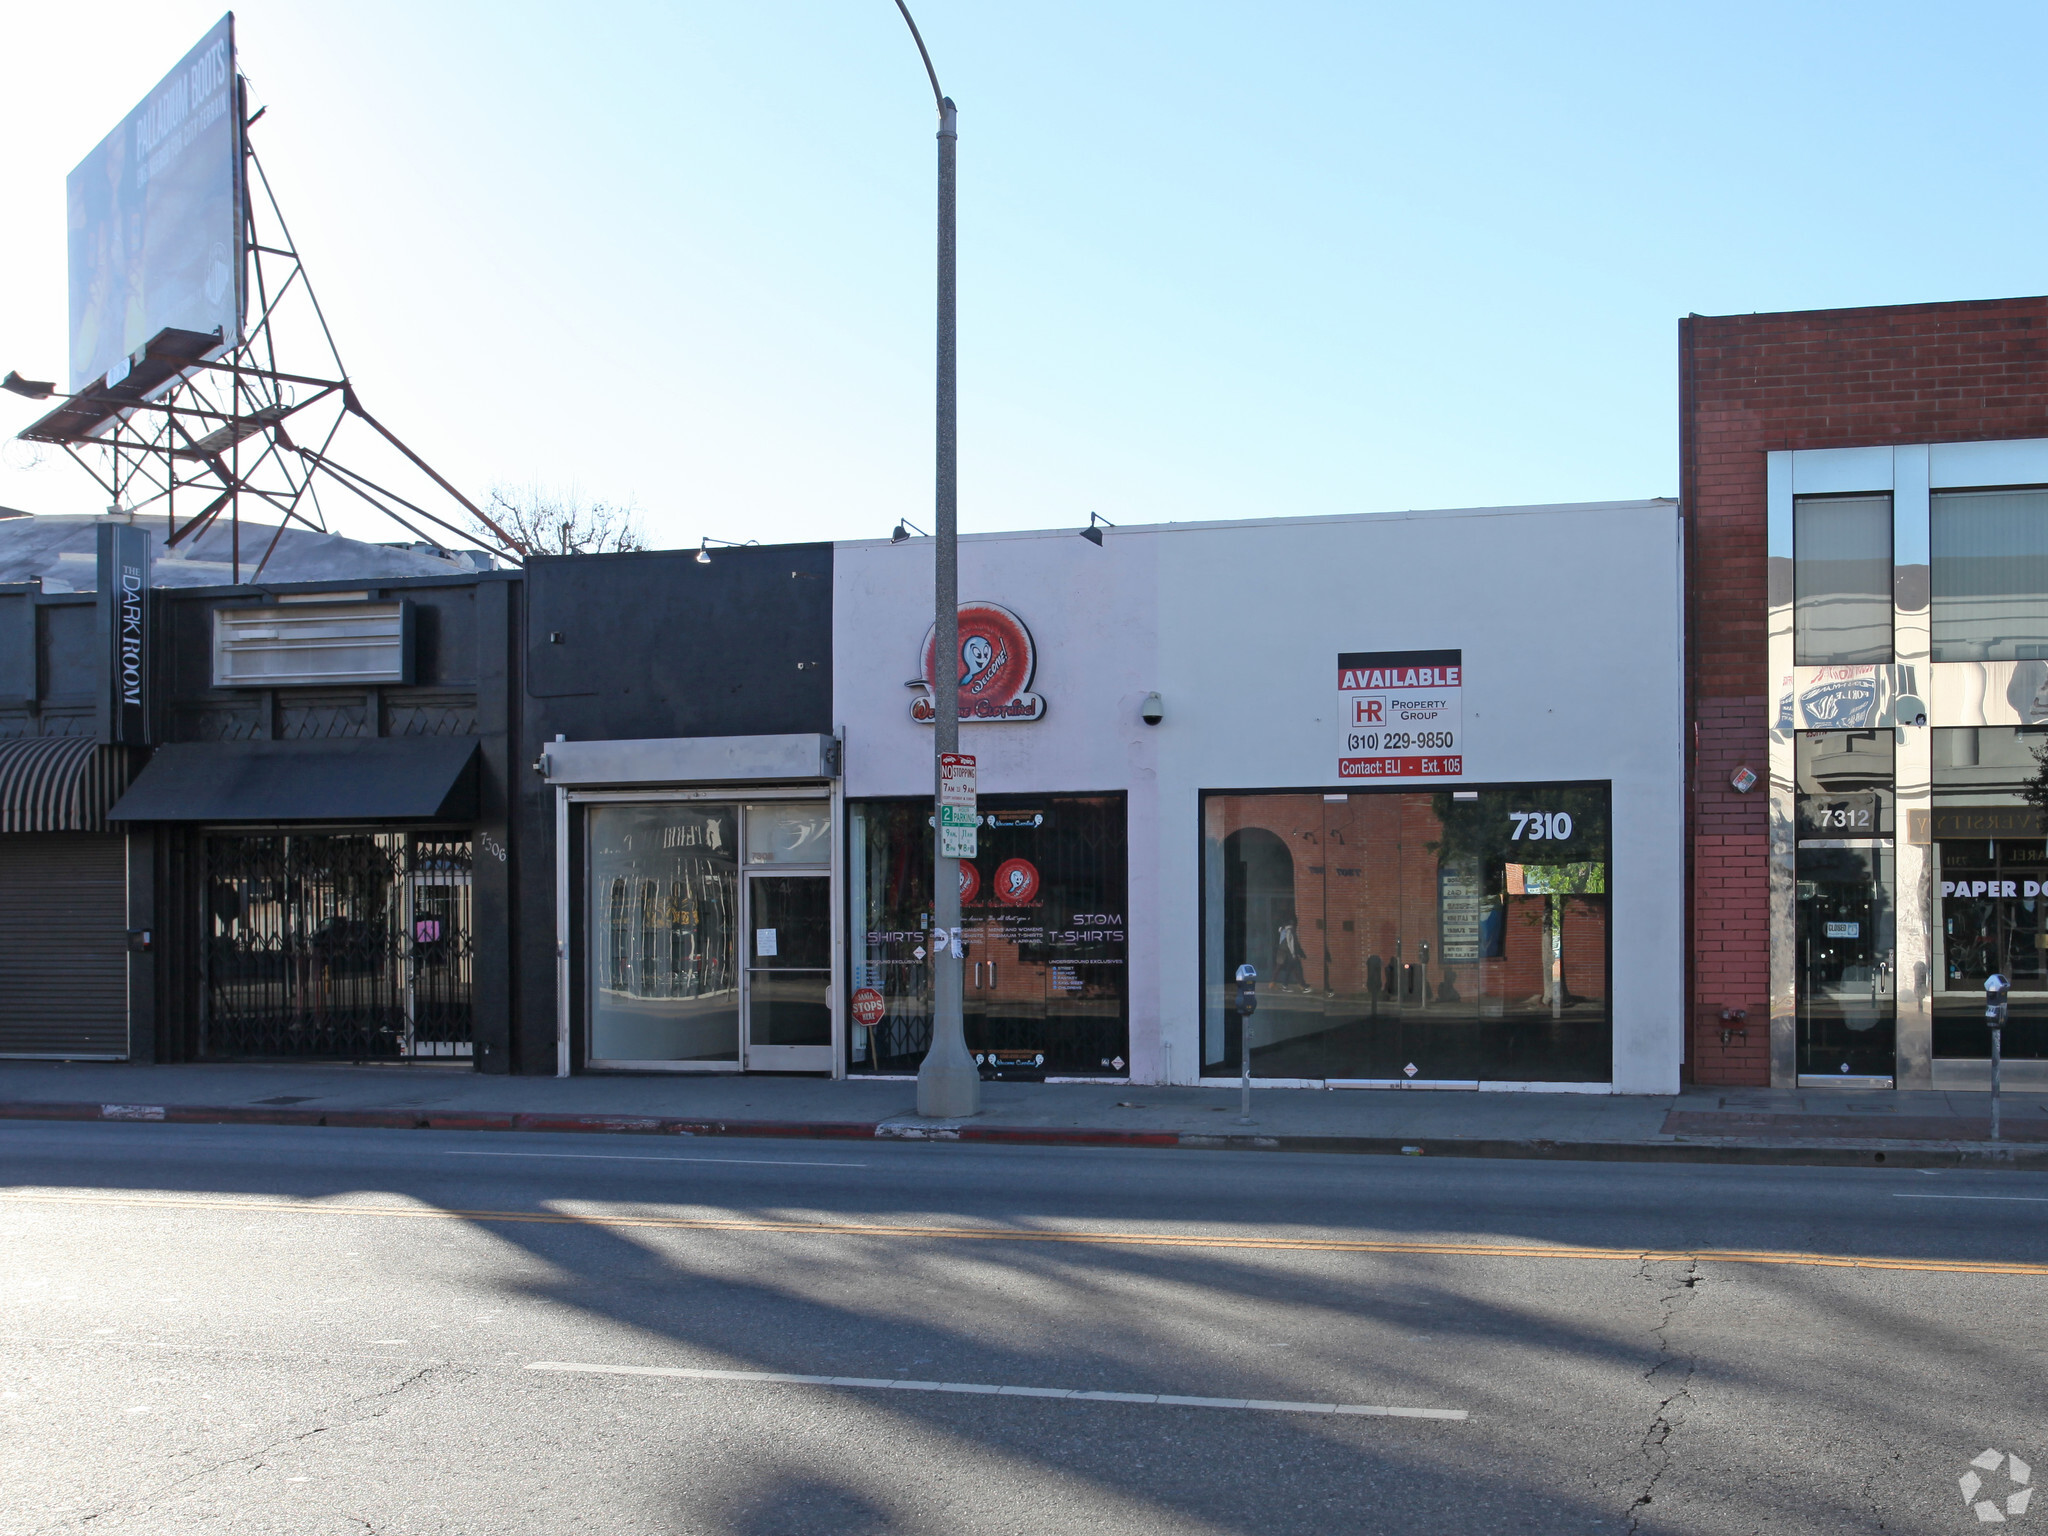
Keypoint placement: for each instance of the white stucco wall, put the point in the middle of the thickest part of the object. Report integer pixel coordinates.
(1569, 620)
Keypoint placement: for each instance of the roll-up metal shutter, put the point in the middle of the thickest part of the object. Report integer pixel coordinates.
(63, 945)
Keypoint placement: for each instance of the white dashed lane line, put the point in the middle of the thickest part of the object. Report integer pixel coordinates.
(2023, 1199)
(630, 1157)
(980, 1389)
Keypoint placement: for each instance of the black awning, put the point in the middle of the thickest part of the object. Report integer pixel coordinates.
(404, 778)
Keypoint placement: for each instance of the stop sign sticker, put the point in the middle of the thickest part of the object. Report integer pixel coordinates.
(868, 1007)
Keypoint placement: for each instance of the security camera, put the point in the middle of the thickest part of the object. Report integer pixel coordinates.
(1153, 710)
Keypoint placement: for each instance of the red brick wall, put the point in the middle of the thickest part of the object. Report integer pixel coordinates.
(1749, 385)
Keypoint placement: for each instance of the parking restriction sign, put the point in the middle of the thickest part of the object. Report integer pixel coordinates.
(958, 821)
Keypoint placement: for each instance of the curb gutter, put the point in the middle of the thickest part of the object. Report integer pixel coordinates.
(1838, 1153)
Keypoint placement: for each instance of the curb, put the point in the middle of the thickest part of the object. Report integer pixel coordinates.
(1724, 1150)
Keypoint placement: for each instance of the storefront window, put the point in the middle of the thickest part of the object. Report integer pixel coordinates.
(1445, 935)
(1991, 889)
(1990, 575)
(798, 832)
(1841, 580)
(1042, 909)
(660, 980)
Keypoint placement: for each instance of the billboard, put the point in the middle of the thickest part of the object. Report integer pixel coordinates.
(154, 218)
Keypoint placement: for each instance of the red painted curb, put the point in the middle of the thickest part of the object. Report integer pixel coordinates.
(1020, 1136)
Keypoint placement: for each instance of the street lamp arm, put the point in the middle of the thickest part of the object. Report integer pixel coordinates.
(917, 37)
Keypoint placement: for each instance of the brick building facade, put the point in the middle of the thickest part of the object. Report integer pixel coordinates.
(1752, 386)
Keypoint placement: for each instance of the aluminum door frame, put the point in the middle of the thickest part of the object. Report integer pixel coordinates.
(569, 871)
(774, 1060)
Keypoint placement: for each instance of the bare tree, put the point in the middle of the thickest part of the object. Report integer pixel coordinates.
(545, 522)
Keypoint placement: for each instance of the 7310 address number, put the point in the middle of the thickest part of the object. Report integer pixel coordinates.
(1540, 826)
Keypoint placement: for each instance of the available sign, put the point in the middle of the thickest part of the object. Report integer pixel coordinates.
(1400, 714)
(957, 819)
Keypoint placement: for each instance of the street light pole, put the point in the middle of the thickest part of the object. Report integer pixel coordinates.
(948, 1083)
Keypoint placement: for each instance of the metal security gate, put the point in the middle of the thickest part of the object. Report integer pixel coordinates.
(64, 945)
(337, 945)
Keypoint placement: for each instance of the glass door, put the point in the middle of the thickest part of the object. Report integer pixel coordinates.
(789, 973)
(1847, 997)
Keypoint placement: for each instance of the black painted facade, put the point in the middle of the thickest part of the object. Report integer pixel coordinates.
(627, 646)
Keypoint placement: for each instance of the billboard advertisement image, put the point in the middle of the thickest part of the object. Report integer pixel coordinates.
(154, 218)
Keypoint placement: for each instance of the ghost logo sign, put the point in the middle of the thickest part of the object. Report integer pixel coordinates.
(998, 659)
(1016, 882)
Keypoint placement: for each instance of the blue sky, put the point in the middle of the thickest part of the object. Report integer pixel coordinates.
(1216, 261)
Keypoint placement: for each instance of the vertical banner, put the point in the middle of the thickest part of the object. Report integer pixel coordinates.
(1400, 714)
(123, 615)
(958, 820)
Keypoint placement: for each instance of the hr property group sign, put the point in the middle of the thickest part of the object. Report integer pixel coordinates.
(1400, 714)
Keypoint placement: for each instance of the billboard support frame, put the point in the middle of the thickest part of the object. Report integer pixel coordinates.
(177, 421)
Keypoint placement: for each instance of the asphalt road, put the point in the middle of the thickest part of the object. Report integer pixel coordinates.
(312, 1331)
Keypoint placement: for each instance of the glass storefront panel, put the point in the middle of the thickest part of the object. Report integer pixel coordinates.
(1991, 882)
(1989, 554)
(1842, 580)
(1844, 784)
(1460, 934)
(661, 978)
(1045, 985)
(789, 832)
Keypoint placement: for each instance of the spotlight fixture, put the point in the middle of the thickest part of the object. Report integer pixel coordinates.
(904, 529)
(1092, 533)
(704, 547)
(34, 389)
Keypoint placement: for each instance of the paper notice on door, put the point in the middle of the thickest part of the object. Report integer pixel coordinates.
(764, 943)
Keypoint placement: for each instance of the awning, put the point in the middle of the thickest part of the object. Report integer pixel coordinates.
(401, 778)
(60, 783)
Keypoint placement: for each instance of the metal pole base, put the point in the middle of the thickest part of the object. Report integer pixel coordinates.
(948, 1082)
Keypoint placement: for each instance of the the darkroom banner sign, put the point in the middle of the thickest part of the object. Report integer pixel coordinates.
(124, 634)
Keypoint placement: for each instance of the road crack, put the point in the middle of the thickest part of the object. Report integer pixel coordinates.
(1671, 1374)
(254, 1459)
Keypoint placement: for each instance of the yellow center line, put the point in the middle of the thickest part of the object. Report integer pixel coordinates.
(1499, 1250)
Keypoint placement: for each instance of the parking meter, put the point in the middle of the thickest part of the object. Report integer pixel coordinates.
(1995, 989)
(1247, 1005)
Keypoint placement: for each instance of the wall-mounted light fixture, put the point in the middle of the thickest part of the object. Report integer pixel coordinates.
(704, 547)
(1092, 533)
(904, 529)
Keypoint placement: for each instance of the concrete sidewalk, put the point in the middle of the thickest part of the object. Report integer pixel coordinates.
(1698, 1125)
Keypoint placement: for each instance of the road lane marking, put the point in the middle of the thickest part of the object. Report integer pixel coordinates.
(1031, 1235)
(2027, 1199)
(982, 1389)
(630, 1157)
